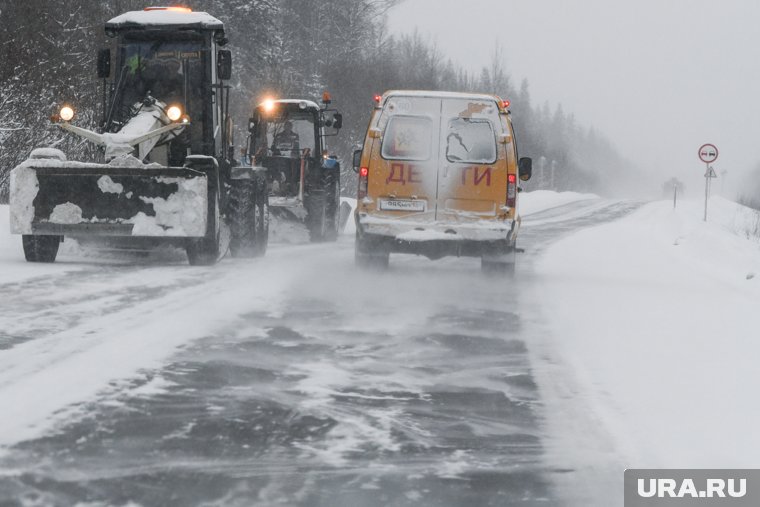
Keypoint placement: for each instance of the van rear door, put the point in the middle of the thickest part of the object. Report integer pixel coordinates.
(473, 170)
(404, 174)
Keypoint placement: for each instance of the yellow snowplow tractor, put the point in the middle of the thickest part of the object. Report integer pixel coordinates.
(166, 172)
(439, 176)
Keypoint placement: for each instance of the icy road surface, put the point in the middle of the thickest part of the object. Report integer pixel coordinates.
(289, 380)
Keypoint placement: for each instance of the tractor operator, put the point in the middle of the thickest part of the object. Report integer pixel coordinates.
(287, 140)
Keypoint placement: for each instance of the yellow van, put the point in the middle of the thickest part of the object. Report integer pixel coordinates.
(438, 176)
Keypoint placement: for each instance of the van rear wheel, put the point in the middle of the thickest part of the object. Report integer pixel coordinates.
(368, 255)
(375, 262)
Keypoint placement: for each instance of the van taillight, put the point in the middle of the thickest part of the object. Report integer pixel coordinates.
(511, 190)
(363, 182)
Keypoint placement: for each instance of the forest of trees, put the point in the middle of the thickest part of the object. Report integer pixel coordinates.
(285, 48)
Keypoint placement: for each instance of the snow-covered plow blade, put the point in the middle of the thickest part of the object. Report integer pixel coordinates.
(51, 197)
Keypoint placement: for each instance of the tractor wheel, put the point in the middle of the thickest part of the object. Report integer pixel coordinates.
(40, 248)
(316, 219)
(206, 251)
(203, 252)
(249, 218)
(242, 209)
(332, 205)
(323, 208)
(262, 217)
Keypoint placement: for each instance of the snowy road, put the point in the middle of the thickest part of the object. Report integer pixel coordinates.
(289, 380)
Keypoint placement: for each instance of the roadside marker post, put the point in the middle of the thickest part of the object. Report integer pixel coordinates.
(675, 195)
(708, 153)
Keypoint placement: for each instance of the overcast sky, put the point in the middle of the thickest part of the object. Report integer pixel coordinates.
(659, 77)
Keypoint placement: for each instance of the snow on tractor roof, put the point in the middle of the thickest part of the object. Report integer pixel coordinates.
(165, 17)
(309, 103)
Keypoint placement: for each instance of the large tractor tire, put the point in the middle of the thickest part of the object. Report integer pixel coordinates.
(207, 251)
(249, 218)
(323, 210)
(202, 252)
(40, 248)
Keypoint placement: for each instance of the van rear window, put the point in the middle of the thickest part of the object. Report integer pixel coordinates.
(471, 141)
(407, 138)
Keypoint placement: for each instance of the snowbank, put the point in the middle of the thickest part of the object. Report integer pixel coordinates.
(656, 315)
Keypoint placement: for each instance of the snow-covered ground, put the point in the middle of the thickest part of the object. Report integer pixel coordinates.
(74, 344)
(655, 320)
(255, 368)
(640, 334)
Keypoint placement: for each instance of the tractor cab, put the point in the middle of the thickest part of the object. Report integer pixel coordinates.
(168, 60)
(288, 139)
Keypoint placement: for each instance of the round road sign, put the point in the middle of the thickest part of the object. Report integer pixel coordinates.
(708, 153)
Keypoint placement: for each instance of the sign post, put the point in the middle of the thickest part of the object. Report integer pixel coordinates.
(708, 153)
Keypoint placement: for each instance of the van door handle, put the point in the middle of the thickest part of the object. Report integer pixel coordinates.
(445, 171)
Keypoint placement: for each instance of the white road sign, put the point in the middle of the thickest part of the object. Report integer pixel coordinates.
(708, 153)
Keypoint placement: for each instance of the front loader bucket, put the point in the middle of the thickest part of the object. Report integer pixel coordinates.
(74, 199)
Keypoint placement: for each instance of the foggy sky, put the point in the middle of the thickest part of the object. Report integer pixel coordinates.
(658, 77)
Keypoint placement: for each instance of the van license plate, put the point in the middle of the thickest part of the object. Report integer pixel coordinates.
(402, 205)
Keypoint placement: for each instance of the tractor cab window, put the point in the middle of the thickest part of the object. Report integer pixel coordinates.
(170, 71)
(287, 135)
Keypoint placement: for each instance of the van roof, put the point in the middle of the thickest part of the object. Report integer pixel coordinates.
(439, 95)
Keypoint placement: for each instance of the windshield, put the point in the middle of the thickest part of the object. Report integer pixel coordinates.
(170, 71)
(286, 136)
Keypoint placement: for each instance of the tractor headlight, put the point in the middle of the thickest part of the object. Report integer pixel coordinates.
(174, 113)
(268, 105)
(67, 113)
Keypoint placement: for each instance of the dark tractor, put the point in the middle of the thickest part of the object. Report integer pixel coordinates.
(167, 173)
(303, 180)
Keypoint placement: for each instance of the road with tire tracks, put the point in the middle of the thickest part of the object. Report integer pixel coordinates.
(293, 379)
